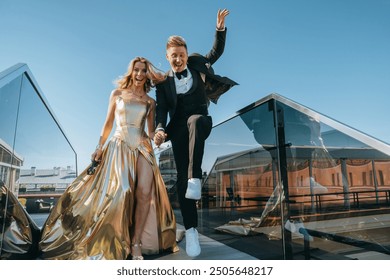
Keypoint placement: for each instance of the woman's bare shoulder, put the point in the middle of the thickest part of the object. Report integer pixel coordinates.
(116, 92)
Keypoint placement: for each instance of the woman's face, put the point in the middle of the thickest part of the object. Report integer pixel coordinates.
(139, 74)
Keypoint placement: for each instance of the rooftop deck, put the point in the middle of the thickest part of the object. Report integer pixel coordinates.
(217, 245)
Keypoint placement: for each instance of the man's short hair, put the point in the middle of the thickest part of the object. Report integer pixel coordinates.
(176, 41)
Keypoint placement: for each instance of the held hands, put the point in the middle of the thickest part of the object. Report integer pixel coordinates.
(221, 18)
(159, 137)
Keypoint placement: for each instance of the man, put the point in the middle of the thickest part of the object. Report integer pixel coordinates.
(185, 95)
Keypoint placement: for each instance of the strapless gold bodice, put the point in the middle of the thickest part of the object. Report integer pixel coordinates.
(130, 117)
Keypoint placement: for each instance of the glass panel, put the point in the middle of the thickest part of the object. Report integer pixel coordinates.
(9, 164)
(49, 161)
(295, 183)
(38, 167)
(241, 192)
(166, 162)
(336, 190)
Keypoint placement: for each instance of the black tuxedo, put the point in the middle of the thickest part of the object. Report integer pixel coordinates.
(215, 85)
(189, 122)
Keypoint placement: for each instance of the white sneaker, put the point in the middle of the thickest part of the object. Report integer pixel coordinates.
(192, 242)
(194, 189)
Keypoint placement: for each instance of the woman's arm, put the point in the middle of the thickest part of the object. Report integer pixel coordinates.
(107, 126)
(151, 118)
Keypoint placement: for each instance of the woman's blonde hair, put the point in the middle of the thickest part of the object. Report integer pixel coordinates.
(153, 75)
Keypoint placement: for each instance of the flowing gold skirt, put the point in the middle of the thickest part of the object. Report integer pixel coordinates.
(19, 234)
(93, 219)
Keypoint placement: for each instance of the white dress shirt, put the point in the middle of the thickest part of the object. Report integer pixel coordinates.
(184, 84)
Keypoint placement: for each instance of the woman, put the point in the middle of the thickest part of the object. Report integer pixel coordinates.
(123, 208)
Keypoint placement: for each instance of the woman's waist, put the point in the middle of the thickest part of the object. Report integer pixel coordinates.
(130, 133)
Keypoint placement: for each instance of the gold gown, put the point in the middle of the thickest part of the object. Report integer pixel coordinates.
(19, 234)
(93, 219)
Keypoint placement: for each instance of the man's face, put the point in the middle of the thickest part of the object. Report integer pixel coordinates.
(177, 57)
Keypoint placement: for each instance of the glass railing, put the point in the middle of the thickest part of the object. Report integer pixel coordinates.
(281, 171)
(37, 161)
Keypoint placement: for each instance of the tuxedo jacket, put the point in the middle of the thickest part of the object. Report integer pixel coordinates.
(215, 85)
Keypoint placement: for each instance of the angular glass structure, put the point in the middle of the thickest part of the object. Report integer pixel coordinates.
(296, 176)
(32, 145)
(297, 184)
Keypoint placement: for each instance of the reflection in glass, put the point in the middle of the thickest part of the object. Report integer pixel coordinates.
(9, 102)
(38, 138)
(280, 170)
(20, 234)
(49, 161)
(37, 161)
(10, 161)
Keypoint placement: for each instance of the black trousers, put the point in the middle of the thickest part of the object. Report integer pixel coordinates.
(188, 139)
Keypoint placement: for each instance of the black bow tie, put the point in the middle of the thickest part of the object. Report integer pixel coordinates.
(182, 73)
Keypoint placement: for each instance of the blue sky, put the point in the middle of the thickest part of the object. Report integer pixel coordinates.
(331, 55)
